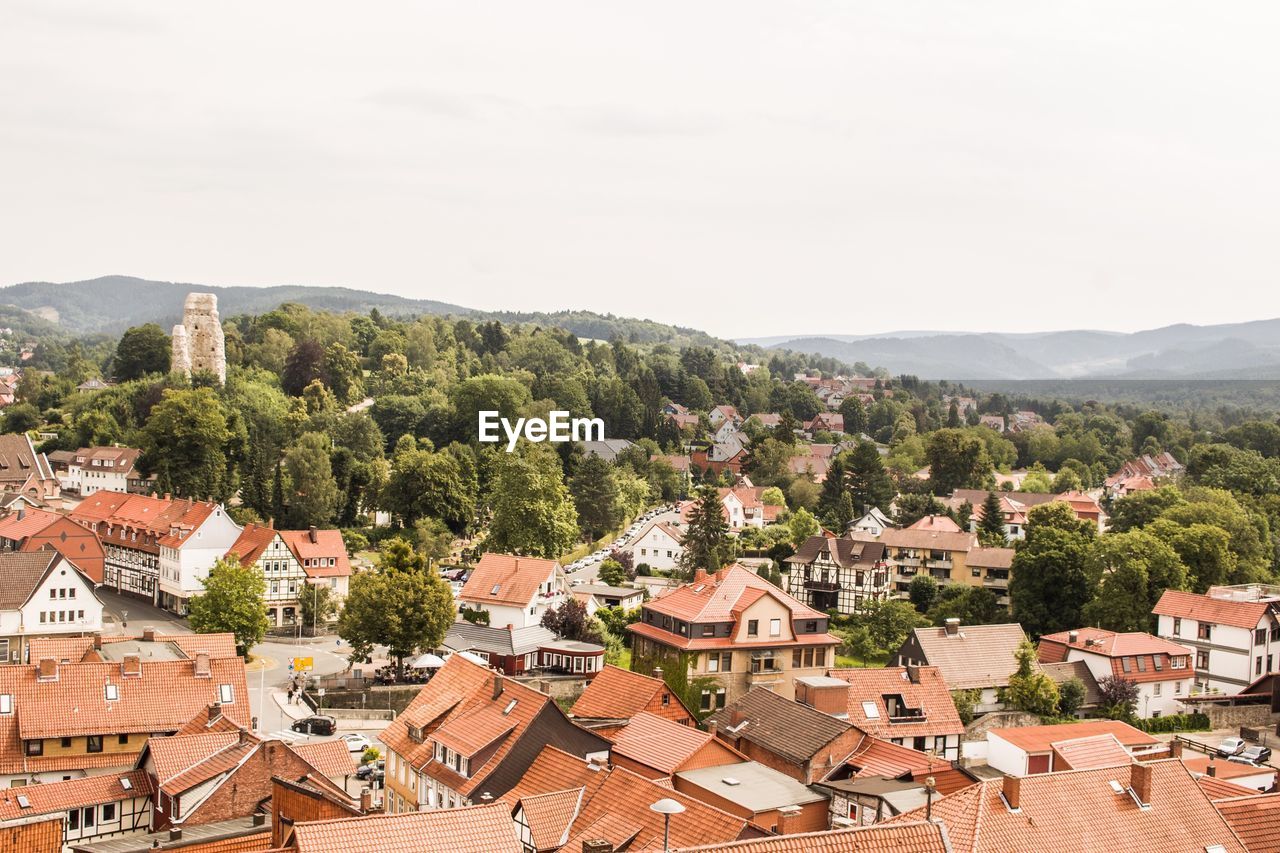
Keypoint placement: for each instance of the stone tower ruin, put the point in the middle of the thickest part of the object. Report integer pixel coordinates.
(198, 342)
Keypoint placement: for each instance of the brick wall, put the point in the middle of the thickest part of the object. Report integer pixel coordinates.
(250, 785)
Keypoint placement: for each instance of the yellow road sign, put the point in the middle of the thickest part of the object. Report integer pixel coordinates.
(303, 664)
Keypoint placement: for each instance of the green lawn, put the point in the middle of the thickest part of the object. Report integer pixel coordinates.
(849, 662)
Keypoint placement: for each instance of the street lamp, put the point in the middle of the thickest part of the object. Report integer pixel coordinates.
(666, 807)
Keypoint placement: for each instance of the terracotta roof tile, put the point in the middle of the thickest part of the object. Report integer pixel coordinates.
(662, 744)
(978, 656)
(472, 829)
(59, 796)
(1042, 738)
(549, 816)
(330, 757)
(930, 696)
(876, 757)
(1220, 789)
(254, 539)
(1088, 753)
(328, 545)
(1135, 655)
(505, 579)
(716, 598)
(18, 526)
(1204, 608)
(554, 770)
(1222, 768)
(918, 837)
(1255, 818)
(1079, 810)
(171, 756)
(617, 694)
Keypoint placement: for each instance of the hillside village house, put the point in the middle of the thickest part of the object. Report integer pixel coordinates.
(1014, 507)
(103, 469)
(943, 554)
(42, 594)
(906, 705)
(658, 546)
(513, 591)
(969, 657)
(30, 529)
(843, 574)
(24, 471)
(1161, 669)
(616, 695)
(737, 630)
(1233, 630)
(744, 506)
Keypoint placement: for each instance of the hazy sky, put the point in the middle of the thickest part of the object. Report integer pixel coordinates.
(750, 168)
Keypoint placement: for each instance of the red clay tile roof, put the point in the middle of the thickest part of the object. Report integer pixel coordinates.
(1088, 753)
(716, 599)
(60, 796)
(1078, 810)
(549, 816)
(81, 649)
(978, 656)
(939, 523)
(931, 696)
(1255, 818)
(554, 770)
(1042, 738)
(472, 829)
(1223, 769)
(223, 761)
(653, 632)
(1136, 656)
(253, 540)
(662, 744)
(473, 730)
(919, 837)
(619, 694)
(1204, 608)
(1220, 789)
(328, 545)
(875, 757)
(504, 579)
(171, 756)
(32, 522)
(330, 757)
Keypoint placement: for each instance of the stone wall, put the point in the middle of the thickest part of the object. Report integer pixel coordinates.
(977, 730)
(1234, 716)
(198, 343)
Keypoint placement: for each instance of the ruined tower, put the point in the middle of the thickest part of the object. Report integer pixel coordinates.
(198, 342)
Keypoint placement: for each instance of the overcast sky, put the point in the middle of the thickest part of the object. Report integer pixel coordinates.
(749, 168)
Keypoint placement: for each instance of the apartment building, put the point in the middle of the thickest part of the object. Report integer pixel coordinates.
(1234, 632)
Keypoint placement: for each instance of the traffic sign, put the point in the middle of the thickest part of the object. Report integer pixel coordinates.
(303, 664)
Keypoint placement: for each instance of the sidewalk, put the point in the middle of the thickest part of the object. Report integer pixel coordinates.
(293, 712)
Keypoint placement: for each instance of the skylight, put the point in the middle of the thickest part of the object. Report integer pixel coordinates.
(511, 706)
(112, 692)
(496, 587)
(126, 784)
(23, 802)
(870, 710)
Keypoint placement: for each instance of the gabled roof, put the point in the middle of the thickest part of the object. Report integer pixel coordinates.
(1094, 751)
(1134, 655)
(1205, 608)
(19, 459)
(789, 729)
(114, 647)
(1066, 670)
(717, 597)
(506, 579)
(1037, 739)
(22, 572)
(675, 533)
(876, 757)
(471, 829)
(666, 746)
(619, 694)
(941, 540)
(173, 756)
(466, 636)
(317, 547)
(976, 656)
(253, 540)
(919, 837)
(939, 523)
(330, 757)
(843, 551)
(53, 797)
(1255, 818)
(549, 816)
(554, 770)
(1220, 789)
(19, 525)
(1079, 810)
(930, 695)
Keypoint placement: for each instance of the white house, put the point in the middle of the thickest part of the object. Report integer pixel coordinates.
(873, 521)
(514, 591)
(1161, 669)
(189, 550)
(1031, 750)
(1233, 630)
(658, 546)
(101, 469)
(43, 595)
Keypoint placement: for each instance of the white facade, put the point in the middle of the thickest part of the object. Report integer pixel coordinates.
(1155, 698)
(1226, 658)
(185, 565)
(90, 477)
(64, 604)
(1003, 756)
(655, 547)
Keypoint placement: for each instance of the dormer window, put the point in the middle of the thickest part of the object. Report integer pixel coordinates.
(111, 692)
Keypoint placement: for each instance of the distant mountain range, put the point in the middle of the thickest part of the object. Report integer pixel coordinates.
(1230, 351)
(113, 303)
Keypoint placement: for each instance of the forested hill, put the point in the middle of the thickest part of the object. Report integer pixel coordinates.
(113, 303)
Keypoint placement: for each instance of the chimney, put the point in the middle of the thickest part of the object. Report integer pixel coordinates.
(913, 673)
(511, 627)
(597, 845)
(1211, 770)
(131, 667)
(148, 635)
(22, 513)
(244, 736)
(366, 800)
(202, 665)
(215, 713)
(712, 726)
(497, 685)
(597, 762)
(1073, 637)
(1140, 782)
(787, 816)
(48, 670)
(311, 534)
(953, 626)
(1175, 749)
(97, 641)
(259, 819)
(657, 672)
(175, 834)
(1011, 790)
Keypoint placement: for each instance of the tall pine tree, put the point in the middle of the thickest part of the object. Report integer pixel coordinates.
(706, 542)
(991, 525)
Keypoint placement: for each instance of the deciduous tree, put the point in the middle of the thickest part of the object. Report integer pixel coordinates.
(533, 513)
(234, 602)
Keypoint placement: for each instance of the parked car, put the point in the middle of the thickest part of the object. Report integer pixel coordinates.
(1257, 754)
(370, 771)
(318, 724)
(1231, 746)
(356, 742)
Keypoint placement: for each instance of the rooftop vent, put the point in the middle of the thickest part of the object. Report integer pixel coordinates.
(1116, 787)
(730, 781)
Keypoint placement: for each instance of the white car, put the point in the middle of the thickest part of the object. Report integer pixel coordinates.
(356, 742)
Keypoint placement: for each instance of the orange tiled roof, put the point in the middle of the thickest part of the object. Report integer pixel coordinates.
(81, 649)
(253, 540)
(59, 796)
(1087, 753)
(653, 632)
(931, 695)
(1204, 608)
(472, 829)
(876, 757)
(473, 730)
(1042, 738)
(554, 770)
(1223, 769)
(1255, 818)
(918, 837)
(1134, 655)
(662, 744)
(171, 756)
(328, 544)
(1220, 789)
(32, 522)
(223, 761)
(330, 757)
(716, 598)
(939, 523)
(619, 694)
(505, 579)
(549, 816)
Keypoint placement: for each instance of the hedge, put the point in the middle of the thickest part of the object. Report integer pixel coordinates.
(1175, 723)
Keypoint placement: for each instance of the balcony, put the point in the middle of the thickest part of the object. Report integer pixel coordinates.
(909, 561)
(821, 586)
(939, 564)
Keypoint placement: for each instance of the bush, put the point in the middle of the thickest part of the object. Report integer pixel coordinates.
(370, 755)
(475, 617)
(1175, 723)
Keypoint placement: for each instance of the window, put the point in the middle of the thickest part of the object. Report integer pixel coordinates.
(870, 711)
(109, 812)
(1204, 631)
(1202, 659)
(811, 627)
(73, 819)
(35, 747)
(94, 743)
(796, 659)
(66, 743)
(726, 662)
(112, 692)
(226, 695)
(808, 657)
(1177, 688)
(1177, 625)
(71, 593)
(708, 630)
(1257, 665)
(1157, 661)
(122, 739)
(666, 699)
(1177, 662)
(753, 627)
(820, 657)
(6, 703)
(53, 593)
(713, 662)
(1155, 688)
(775, 627)
(1260, 637)
(88, 817)
(1142, 663)
(1125, 664)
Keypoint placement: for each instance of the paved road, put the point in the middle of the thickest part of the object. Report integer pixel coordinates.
(591, 574)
